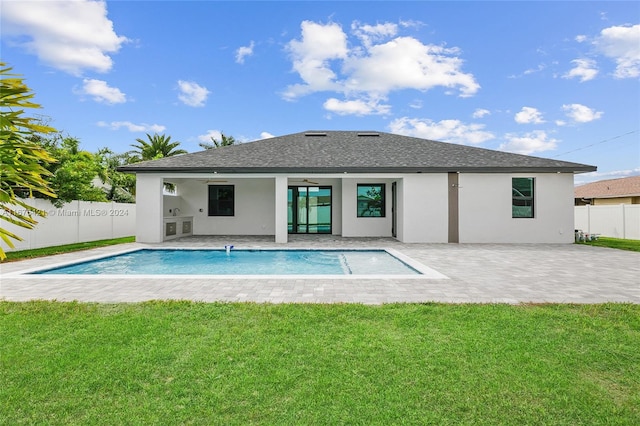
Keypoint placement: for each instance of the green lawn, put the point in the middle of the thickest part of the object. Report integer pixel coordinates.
(48, 251)
(617, 243)
(203, 364)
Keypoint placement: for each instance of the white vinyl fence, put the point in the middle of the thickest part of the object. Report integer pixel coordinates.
(616, 221)
(75, 222)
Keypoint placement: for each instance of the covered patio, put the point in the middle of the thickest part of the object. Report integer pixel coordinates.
(278, 206)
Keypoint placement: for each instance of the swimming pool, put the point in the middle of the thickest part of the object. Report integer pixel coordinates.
(242, 262)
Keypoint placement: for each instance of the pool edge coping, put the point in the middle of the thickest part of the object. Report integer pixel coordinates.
(424, 272)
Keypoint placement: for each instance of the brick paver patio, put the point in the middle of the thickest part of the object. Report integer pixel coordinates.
(481, 273)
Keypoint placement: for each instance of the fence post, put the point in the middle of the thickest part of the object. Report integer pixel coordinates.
(624, 221)
(588, 219)
(113, 219)
(78, 221)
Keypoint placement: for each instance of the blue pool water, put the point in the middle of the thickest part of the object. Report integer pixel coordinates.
(241, 262)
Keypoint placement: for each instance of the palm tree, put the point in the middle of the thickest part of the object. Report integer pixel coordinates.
(157, 146)
(23, 160)
(224, 141)
(122, 186)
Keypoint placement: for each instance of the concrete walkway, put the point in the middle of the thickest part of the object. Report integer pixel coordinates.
(479, 273)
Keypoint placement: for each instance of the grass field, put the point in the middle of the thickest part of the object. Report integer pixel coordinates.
(617, 243)
(193, 363)
(48, 251)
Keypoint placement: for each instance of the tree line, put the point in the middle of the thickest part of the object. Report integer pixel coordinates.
(77, 174)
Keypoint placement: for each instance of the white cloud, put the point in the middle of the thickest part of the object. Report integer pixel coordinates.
(581, 38)
(369, 34)
(480, 112)
(529, 143)
(243, 52)
(585, 70)
(143, 127)
(529, 115)
(101, 92)
(406, 63)
(539, 68)
(215, 134)
(356, 107)
(411, 24)
(622, 44)
(71, 36)
(192, 94)
(326, 60)
(266, 135)
(580, 113)
(453, 131)
(311, 55)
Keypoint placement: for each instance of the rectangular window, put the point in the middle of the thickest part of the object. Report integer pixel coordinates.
(371, 200)
(522, 197)
(221, 200)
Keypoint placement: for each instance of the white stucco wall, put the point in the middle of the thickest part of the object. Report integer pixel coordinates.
(254, 207)
(170, 203)
(281, 205)
(255, 204)
(149, 211)
(423, 208)
(354, 226)
(485, 209)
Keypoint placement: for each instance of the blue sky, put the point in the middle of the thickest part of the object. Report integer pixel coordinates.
(550, 79)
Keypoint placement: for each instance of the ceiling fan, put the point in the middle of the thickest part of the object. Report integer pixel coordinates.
(212, 180)
(306, 181)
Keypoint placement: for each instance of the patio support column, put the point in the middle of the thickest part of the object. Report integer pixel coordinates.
(281, 209)
(149, 205)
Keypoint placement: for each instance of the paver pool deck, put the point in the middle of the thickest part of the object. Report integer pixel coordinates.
(476, 273)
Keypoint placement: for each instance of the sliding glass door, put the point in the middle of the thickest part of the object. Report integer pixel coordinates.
(309, 209)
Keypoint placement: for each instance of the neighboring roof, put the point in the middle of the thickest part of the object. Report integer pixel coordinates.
(610, 188)
(351, 152)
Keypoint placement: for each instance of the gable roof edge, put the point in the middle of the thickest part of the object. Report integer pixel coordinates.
(368, 170)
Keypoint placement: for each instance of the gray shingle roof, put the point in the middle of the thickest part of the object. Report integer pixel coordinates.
(352, 152)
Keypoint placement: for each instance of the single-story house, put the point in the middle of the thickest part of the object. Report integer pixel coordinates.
(609, 192)
(358, 184)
